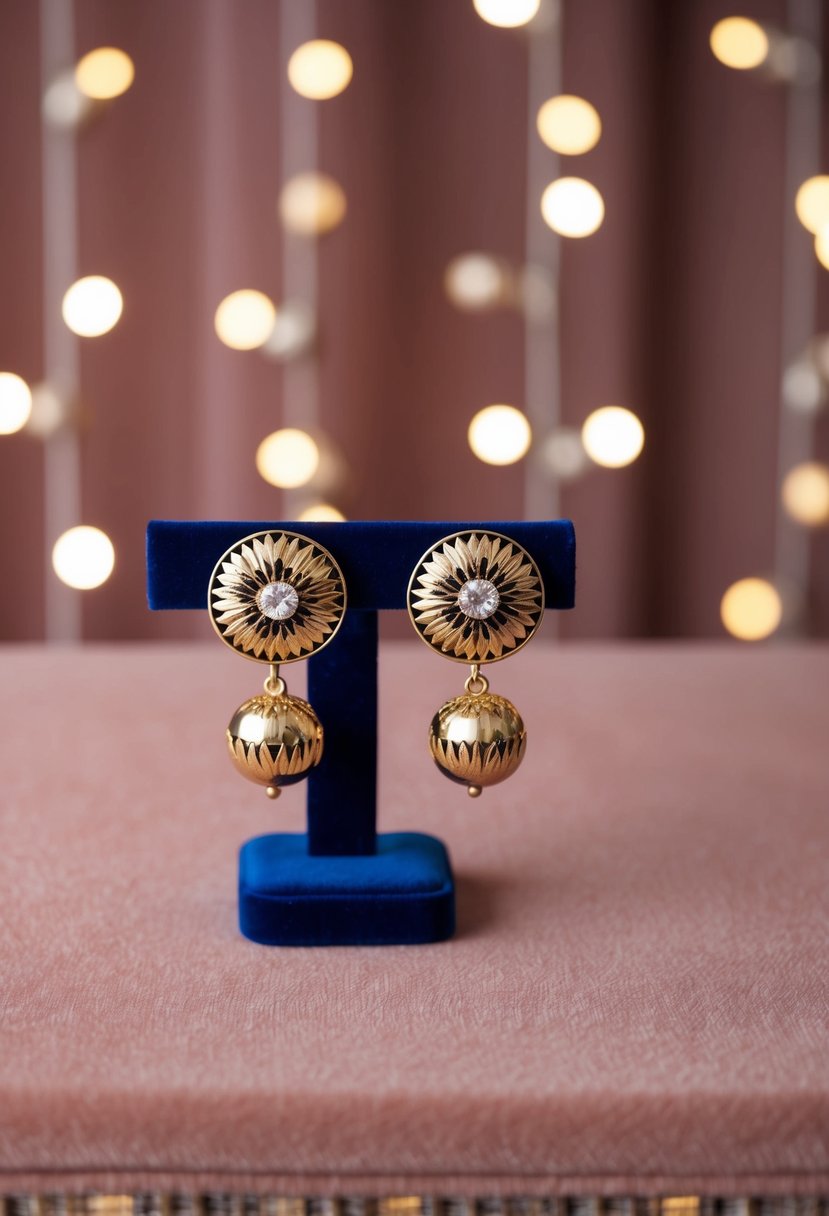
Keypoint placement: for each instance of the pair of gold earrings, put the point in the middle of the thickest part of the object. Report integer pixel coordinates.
(475, 597)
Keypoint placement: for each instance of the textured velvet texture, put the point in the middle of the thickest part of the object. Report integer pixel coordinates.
(636, 998)
(377, 559)
(404, 894)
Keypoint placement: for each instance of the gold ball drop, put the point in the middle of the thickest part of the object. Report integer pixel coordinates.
(274, 740)
(477, 739)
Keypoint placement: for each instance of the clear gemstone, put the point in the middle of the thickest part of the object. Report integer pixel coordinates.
(478, 598)
(278, 601)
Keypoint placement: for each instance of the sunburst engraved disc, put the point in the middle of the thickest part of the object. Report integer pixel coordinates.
(476, 597)
(276, 597)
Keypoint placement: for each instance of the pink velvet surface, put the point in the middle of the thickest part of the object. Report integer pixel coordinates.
(636, 1000)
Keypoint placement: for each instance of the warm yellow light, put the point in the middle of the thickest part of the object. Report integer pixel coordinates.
(92, 306)
(499, 434)
(104, 73)
(320, 69)
(322, 512)
(612, 436)
(311, 204)
(287, 458)
(245, 319)
(739, 42)
(572, 207)
(507, 13)
(569, 125)
(83, 558)
(805, 493)
(751, 609)
(476, 281)
(15, 403)
(812, 203)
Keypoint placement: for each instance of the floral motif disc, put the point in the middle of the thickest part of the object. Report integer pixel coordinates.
(476, 597)
(276, 597)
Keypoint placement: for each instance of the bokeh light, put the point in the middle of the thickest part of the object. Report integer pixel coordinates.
(320, 69)
(751, 609)
(563, 455)
(104, 73)
(613, 436)
(476, 282)
(572, 207)
(812, 203)
(804, 389)
(83, 558)
(92, 306)
(51, 410)
(569, 125)
(805, 493)
(15, 403)
(294, 331)
(287, 458)
(245, 319)
(739, 43)
(64, 106)
(499, 434)
(508, 14)
(322, 512)
(311, 204)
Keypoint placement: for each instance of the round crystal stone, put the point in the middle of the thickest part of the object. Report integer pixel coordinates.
(478, 598)
(278, 601)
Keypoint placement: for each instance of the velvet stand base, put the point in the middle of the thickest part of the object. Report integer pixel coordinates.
(404, 894)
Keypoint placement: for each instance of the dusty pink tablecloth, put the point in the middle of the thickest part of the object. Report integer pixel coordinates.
(636, 1000)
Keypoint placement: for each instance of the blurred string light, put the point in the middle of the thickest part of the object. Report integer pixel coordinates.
(294, 331)
(739, 42)
(320, 69)
(83, 557)
(508, 14)
(245, 319)
(499, 434)
(477, 282)
(64, 106)
(311, 204)
(805, 493)
(751, 609)
(569, 125)
(321, 512)
(572, 207)
(804, 388)
(15, 403)
(563, 454)
(812, 203)
(287, 458)
(51, 410)
(104, 73)
(613, 436)
(92, 306)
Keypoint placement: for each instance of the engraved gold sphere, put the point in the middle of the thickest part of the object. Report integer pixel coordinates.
(477, 739)
(274, 740)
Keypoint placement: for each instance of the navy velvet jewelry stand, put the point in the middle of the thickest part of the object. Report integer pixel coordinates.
(342, 883)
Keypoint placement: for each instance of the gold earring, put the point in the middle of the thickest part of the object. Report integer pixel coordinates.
(276, 597)
(476, 597)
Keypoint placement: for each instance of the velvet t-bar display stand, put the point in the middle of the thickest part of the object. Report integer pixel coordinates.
(342, 883)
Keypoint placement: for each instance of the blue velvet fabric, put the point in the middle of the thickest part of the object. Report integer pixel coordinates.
(377, 559)
(343, 884)
(403, 894)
